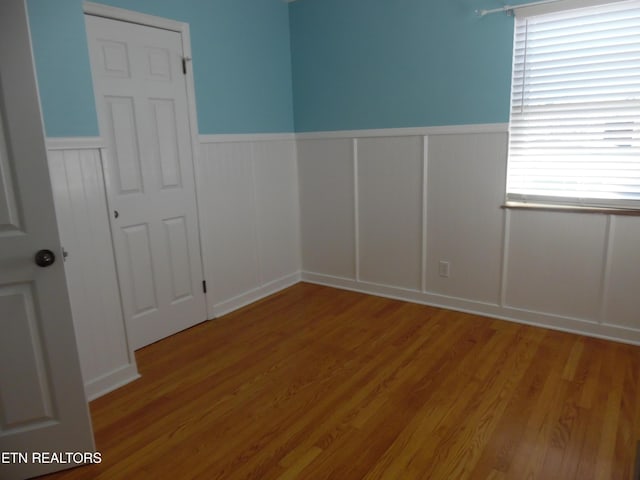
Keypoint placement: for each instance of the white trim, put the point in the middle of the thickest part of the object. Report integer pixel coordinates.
(74, 143)
(512, 314)
(111, 381)
(605, 279)
(356, 209)
(245, 137)
(504, 267)
(254, 210)
(385, 132)
(553, 6)
(228, 306)
(104, 152)
(425, 192)
(130, 16)
(410, 131)
(196, 151)
(543, 7)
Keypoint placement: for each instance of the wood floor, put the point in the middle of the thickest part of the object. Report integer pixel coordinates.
(317, 383)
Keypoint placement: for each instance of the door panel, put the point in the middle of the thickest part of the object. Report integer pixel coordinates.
(158, 64)
(123, 130)
(142, 105)
(9, 216)
(26, 400)
(140, 269)
(165, 142)
(178, 246)
(115, 59)
(42, 402)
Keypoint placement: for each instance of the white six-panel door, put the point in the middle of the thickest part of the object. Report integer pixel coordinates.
(141, 99)
(42, 402)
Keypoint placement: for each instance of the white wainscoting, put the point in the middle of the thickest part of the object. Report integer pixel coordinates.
(381, 209)
(389, 196)
(372, 211)
(327, 204)
(249, 211)
(249, 215)
(106, 360)
(249, 219)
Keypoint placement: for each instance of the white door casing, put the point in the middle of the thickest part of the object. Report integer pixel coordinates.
(141, 100)
(42, 402)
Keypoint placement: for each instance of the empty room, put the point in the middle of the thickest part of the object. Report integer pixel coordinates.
(320, 239)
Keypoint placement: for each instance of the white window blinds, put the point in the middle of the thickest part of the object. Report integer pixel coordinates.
(574, 131)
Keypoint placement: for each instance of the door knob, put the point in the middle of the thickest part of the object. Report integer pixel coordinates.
(44, 258)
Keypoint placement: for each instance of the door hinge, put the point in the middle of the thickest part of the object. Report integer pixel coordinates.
(184, 64)
(204, 286)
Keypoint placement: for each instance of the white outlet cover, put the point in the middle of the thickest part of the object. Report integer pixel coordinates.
(444, 268)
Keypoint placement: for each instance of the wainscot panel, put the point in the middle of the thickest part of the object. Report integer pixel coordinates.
(389, 193)
(567, 271)
(249, 217)
(327, 203)
(465, 224)
(622, 278)
(555, 262)
(106, 360)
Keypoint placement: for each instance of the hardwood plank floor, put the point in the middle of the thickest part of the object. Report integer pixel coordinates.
(315, 383)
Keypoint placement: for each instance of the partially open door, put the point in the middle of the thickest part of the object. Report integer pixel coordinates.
(44, 418)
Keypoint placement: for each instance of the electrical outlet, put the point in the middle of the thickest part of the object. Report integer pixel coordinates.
(444, 268)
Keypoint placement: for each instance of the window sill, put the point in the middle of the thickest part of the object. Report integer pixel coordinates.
(570, 208)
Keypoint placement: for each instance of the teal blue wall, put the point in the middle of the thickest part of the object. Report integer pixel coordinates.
(398, 63)
(62, 65)
(241, 62)
(355, 63)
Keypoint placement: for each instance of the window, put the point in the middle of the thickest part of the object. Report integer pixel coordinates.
(574, 131)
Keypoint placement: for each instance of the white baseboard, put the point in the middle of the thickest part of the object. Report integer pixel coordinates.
(528, 317)
(239, 301)
(110, 381)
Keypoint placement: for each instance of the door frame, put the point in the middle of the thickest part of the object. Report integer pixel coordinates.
(130, 16)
